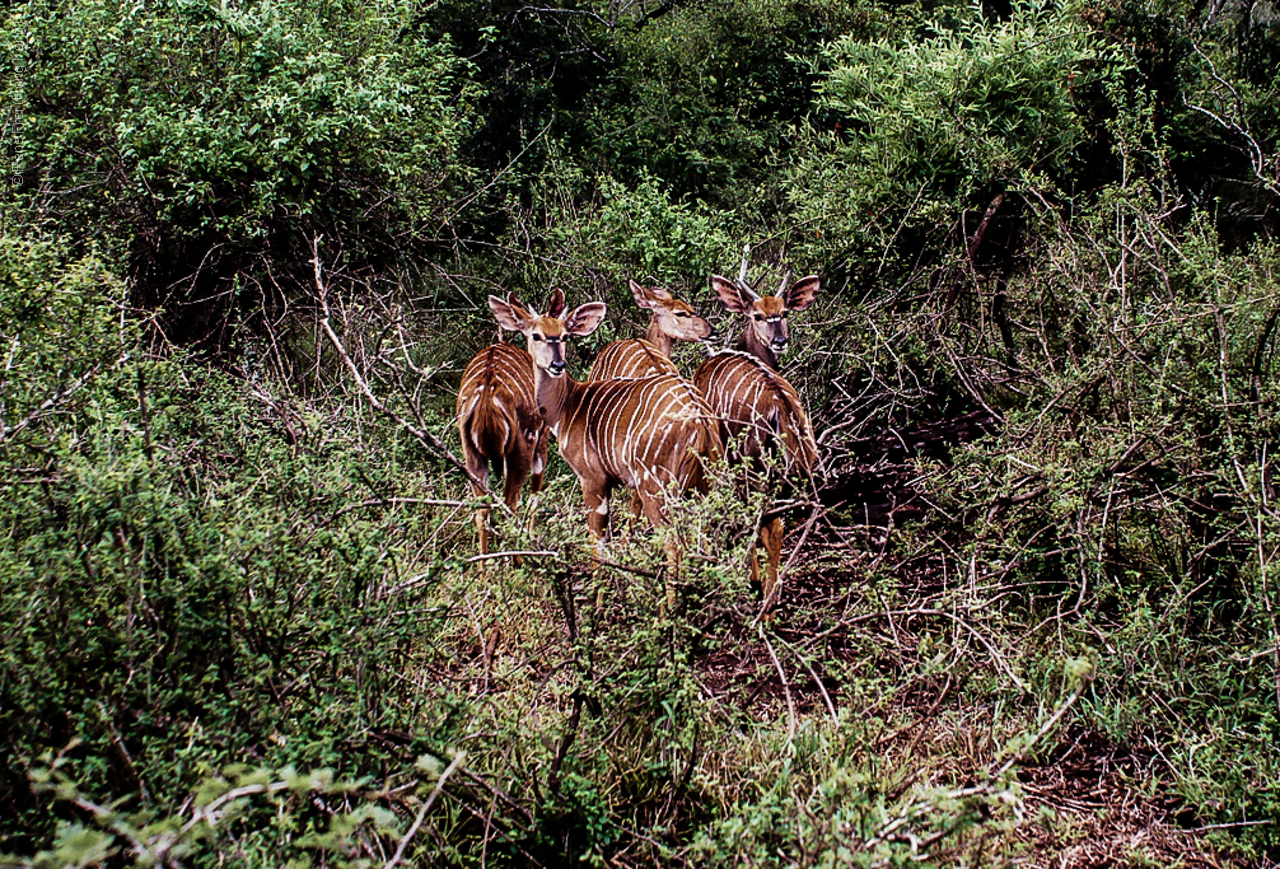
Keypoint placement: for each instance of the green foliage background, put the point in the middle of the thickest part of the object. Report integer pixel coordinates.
(244, 253)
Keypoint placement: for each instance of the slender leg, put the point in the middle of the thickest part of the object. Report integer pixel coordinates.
(535, 482)
(753, 565)
(637, 510)
(479, 469)
(516, 472)
(596, 499)
(771, 534)
(651, 503)
(482, 530)
(511, 487)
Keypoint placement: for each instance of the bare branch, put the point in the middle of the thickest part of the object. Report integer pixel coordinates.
(1257, 158)
(422, 813)
(420, 433)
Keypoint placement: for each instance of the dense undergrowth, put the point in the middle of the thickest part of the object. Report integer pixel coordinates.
(244, 622)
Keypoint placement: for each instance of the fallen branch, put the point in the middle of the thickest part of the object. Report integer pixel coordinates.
(521, 553)
(786, 688)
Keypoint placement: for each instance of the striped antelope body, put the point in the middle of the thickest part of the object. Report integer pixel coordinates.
(670, 319)
(644, 434)
(757, 407)
(500, 426)
(760, 412)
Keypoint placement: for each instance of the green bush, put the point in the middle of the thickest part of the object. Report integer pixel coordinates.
(923, 128)
(206, 144)
(190, 576)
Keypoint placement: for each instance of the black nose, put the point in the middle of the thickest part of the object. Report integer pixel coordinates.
(556, 367)
(780, 341)
(714, 336)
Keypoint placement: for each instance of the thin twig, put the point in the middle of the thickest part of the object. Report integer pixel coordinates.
(786, 688)
(422, 813)
(421, 434)
(549, 553)
(1049, 724)
(60, 394)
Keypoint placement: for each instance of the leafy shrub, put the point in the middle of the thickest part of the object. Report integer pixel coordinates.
(208, 143)
(923, 127)
(190, 576)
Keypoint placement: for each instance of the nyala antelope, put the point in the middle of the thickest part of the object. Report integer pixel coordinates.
(766, 334)
(500, 426)
(670, 320)
(760, 412)
(646, 434)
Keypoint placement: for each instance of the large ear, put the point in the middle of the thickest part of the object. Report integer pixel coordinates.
(801, 294)
(555, 304)
(584, 319)
(730, 295)
(642, 297)
(648, 297)
(511, 314)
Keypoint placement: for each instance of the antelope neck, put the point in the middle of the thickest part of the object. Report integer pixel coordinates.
(657, 337)
(749, 342)
(553, 395)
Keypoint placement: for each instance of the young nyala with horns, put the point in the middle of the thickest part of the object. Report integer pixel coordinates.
(760, 412)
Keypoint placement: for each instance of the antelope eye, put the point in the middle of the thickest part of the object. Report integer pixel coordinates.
(759, 318)
(537, 337)
(682, 313)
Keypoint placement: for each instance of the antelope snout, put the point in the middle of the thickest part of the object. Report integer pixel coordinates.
(555, 369)
(780, 342)
(712, 338)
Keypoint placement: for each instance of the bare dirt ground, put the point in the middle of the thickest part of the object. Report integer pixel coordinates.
(1087, 802)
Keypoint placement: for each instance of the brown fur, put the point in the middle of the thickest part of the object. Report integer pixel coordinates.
(759, 410)
(500, 426)
(644, 433)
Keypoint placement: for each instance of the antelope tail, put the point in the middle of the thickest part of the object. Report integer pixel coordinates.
(487, 431)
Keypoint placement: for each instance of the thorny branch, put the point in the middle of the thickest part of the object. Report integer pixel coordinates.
(422, 812)
(60, 395)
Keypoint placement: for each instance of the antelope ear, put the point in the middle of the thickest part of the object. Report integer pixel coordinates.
(730, 295)
(801, 294)
(511, 314)
(649, 297)
(642, 297)
(584, 319)
(555, 304)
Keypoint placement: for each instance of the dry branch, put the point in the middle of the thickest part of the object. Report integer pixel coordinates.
(418, 432)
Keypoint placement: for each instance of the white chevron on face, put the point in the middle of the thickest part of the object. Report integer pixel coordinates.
(765, 335)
